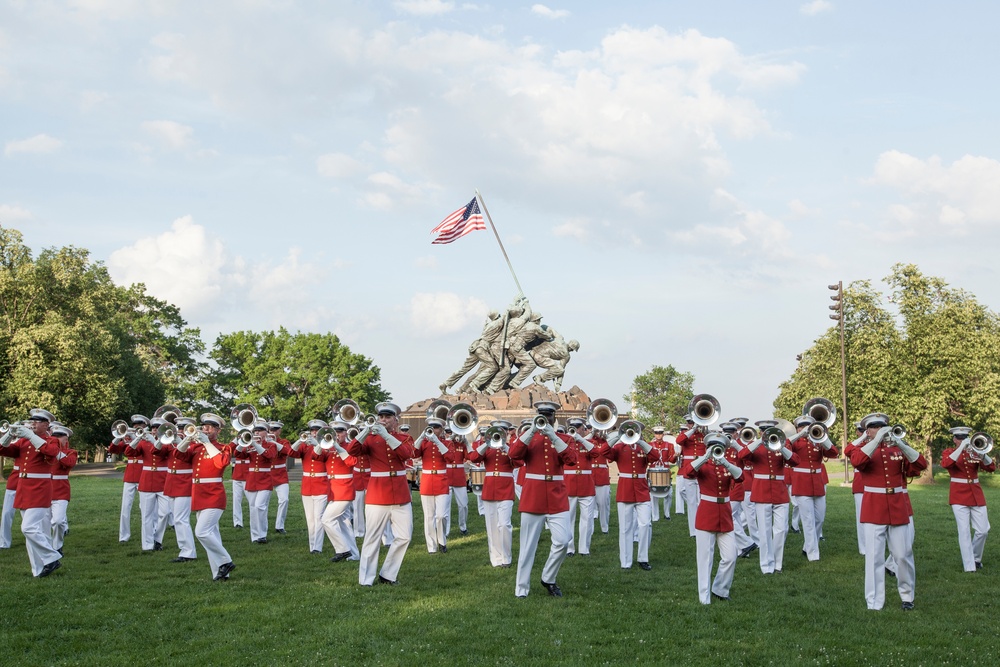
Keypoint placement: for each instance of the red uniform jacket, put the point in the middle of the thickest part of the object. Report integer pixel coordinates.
(207, 490)
(769, 468)
(240, 461)
(691, 448)
(279, 467)
(340, 470)
(737, 491)
(580, 477)
(602, 475)
(964, 488)
(34, 486)
(154, 465)
(434, 468)
(456, 466)
(884, 474)
(60, 473)
(499, 481)
(14, 476)
(809, 474)
(133, 464)
(388, 485)
(315, 481)
(259, 467)
(362, 471)
(179, 474)
(632, 461)
(857, 484)
(715, 511)
(543, 490)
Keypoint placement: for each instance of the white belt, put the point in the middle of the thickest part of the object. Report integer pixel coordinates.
(206, 480)
(389, 473)
(37, 475)
(314, 474)
(343, 476)
(129, 461)
(181, 472)
(362, 470)
(434, 472)
(543, 478)
(240, 462)
(769, 477)
(455, 465)
(806, 470)
(152, 468)
(581, 472)
(714, 499)
(498, 473)
(281, 465)
(600, 465)
(955, 480)
(261, 470)
(626, 475)
(889, 491)
(60, 476)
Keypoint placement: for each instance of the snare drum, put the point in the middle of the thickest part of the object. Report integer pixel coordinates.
(659, 479)
(477, 477)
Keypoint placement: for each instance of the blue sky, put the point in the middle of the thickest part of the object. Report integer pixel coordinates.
(663, 174)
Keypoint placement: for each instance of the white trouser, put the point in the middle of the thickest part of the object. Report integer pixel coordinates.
(586, 524)
(900, 546)
(531, 531)
(679, 484)
(7, 519)
(750, 516)
(59, 523)
(359, 513)
(971, 545)
(154, 509)
(793, 516)
(740, 527)
(480, 504)
(281, 490)
(706, 542)
(812, 510)
(314, 507)
(634, 517)
(602, 501)
(206, 529)
(36, 525)
(258, 513)
(435, 521)
(239, 492)
(337, 525)
(772, 527)
(499, 531)
(656, 499)
(461, 496)
(692, 496)
(377, 518)
(857, 523)
(129, 489)
(517, 490)
(181, 509)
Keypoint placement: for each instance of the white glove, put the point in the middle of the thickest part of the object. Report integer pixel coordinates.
(379, 430)
(390, 440)
(909, 452)
(443, 448)
(700, 461)
(786, 452)
(955, 455)
(36, 440)
(528, 434)
(857, 441)
(259, 448)
(645, 446)
(586, 444)
(691, 431)
(613, 439)
(754, 445)
(735, 471)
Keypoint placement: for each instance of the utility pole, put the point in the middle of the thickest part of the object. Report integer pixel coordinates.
(838, 315)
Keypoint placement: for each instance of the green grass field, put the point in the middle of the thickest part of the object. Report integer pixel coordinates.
(112, 605)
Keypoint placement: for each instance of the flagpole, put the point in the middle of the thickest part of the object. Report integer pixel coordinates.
(520, 292)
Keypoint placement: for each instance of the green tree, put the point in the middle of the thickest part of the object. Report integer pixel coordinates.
(291, 377)
(661, 396)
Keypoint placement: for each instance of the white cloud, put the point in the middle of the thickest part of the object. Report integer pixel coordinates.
(426, 262)
(434, 314)
(171, 134)
(38, 144)
(797, 209)
(576, 229)
(91, 99)
(423, 7)
(9, 213)
(337, 165)
(816, 7)
(542, 10)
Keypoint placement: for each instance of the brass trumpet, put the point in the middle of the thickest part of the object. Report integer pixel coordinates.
(166, 433)
(980, 443)
(540, 422)
(749, 434)
(602, 414)
(244, 438)
(717, 451)
(704, 409)
(817, 433)
(371, 420)
(631, 431)
(898, 431)
(328, 440)
(348, 411)
(775, 439)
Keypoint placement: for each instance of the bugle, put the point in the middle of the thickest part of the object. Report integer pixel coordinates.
(462, 419)
(168, 413)
(328, 439)
(749, 434)
(348, 411)
(981, 443)
(631, 431)
(496, 437)
(717, 451)
(822, 410)
(243, 417)
(244, 438)
(166, 433)
(119, 430)
(602, 414)
(898, 431)
(775, 439)
(817, 433)
(439, 409)
(540, 423)
(704, 409)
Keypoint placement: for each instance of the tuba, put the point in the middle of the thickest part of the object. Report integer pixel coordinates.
(168, 413)
(439, 409)
(243, 417)
(704, 409)
(775, 439)
(462, 419)
(602, 414)
(822, 410)
(348, 411)
(631, 431)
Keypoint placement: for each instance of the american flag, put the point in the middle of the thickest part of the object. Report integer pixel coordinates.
(459, 223)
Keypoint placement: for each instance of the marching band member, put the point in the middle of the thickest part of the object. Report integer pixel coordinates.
(38, 451)
(580, 486)
(714, 522)
(543, 497)
(662, 448)
(388, 500)
(340, 498)
(480, 506)
(457, 482)
(858, 486)
(435, 457)
(208, 461)
(809, 482)
(153, 506)
(884, 462)
(279, 473)
(770, 496)
(133, 471)
(262, 452)
(965, 495)
(634, 508)
(737, 491)
(691, 443)
(177, 491)
(602, 480)
(748, 507)
(498, 493)
(239, 457)
(10, 493)
(315, 485)
(362, 475)
(65, 461)
(519, 467)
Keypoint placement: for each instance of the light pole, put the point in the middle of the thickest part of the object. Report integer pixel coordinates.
(838, 314)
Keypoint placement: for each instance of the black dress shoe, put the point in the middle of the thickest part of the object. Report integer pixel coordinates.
(719, 597)
(890, 573)
(805, 554)
(60, 551)
(280, 530)
(314, 551)
(50, 568)
(262, 540)
(383, 580)
(122, 541)
(444, 549)
(907, 606)
(465, 532)
(979, 565)
(794, 530)
(238, 526)
(645, 566)
(157, 546)
(341, 556)
(224, 571)
(570, 554)
(182, 559)
(553, 590)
